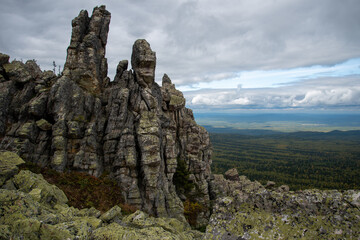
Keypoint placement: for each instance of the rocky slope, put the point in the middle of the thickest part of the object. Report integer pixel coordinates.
(130, 127)
(249, 210)
(31, 208)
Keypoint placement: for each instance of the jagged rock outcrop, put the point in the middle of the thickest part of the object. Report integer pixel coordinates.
(247, 210)
(130, 127)
(144, 137)
(85, 62)
(31, 208)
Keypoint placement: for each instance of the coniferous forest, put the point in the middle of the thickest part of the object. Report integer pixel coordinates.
(301, 160)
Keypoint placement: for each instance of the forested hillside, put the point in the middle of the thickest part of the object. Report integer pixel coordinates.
(301, 160)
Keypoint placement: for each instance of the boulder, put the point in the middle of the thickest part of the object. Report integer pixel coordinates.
(232, 175)
(9, 162)
(270, 184)
(139, 225)
(113, 215)
(17, 72)
(39, 188)
(4, 59)
(44, 125)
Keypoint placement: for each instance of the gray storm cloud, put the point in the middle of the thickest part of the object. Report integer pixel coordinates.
(315, 93)
(194, 39)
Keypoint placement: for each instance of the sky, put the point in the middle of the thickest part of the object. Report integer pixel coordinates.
(229, 55)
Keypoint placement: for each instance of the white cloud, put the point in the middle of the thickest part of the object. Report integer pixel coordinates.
(241, 101)
(316, 93)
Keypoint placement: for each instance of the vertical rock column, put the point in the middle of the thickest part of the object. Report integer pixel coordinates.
(187, 142)
(74, 101)
(147, 129)
(120, 149)
(86, 63)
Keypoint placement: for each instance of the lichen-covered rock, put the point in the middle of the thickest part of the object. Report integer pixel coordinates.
(39, 188)
(232, 174)
(139, 225)
(142, 135)
(130, 127)
(143, 61)
(26, 214)
(113, 215)
(8, 165)
(4, 59)
(17, 72)
(249, 211)
(44, 125)
(86, 63)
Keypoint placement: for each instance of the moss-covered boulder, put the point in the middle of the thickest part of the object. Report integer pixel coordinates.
(39, 188)
(139, 225)
(113, 215)
(35, 209)
(8, 165)
(44, 125)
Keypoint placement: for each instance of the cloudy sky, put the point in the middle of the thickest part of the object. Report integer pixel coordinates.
(229, 54)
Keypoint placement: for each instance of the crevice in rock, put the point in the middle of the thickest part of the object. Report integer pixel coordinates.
(139, 169)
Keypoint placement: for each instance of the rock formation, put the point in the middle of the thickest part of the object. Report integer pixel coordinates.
(130, 127)
(144, 137)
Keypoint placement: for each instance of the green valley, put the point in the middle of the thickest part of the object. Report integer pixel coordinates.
(301, 160)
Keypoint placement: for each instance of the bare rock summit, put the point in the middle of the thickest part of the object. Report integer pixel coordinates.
(130, 127)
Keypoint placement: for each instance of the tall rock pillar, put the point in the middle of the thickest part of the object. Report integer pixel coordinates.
(86, 63)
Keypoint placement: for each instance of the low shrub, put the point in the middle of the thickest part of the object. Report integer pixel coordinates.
(84, 190)
(191, 212)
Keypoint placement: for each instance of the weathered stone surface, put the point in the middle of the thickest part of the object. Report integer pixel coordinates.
(232, 174)
(86, 63)
(4, 59)
(36, 186)
(131, 127)
(141, 226)
(44, 125)
(139, 133)
(270, 184)
(246, 210)
(113, 215)
(27, 214)
(8, 165)
(143, 61)
(17, 72)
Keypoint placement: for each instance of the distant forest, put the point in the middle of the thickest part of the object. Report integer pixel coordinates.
(301, 160)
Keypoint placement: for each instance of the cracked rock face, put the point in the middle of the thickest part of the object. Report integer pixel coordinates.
(130, 127)
(86, 63)
(143, 61)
